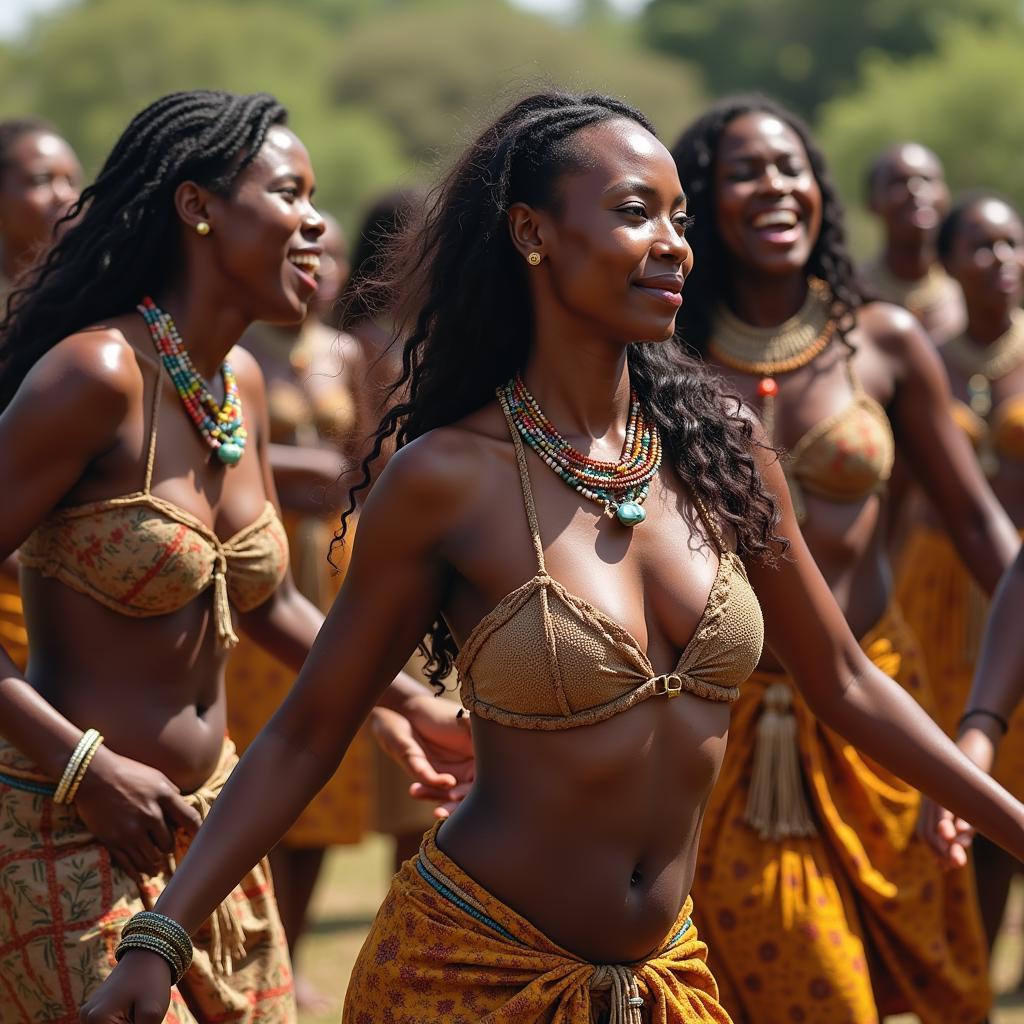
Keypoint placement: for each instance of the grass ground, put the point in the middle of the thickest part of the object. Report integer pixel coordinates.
(356, 877)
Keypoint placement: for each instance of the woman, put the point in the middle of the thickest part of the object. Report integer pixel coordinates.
(981, 244)
(809, 874)
(148, 532)
(39, 180)
(557, 614)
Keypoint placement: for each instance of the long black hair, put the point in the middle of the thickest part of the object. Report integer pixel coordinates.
(468, 323)
(122, 239)
(695, 154)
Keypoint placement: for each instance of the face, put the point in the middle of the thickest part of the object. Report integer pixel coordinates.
(614, 250)
(41, 181)
(265, 235)
(910, 193)
(986, 256)
(767, 199)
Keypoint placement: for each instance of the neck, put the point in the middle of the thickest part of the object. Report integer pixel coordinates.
(581, 383)
(767, 301)
(208, 326)
(986, 326)
(909, 261)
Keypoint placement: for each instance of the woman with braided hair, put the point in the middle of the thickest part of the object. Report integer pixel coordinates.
(592, 582)
(810, 878)
(133, 460)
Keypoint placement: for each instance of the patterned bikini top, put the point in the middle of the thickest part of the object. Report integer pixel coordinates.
(546, 659)
(845, 457)
(141, 555)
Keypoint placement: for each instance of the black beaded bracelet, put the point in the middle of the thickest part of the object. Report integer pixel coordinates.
(1003, 724)
(158, 934)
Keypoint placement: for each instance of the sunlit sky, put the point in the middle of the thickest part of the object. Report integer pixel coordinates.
(15, 14)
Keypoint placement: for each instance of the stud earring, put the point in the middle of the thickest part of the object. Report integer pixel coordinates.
(202, 228)
(534, 259)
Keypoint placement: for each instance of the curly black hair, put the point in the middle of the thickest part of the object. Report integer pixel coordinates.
(695, 154)
(467, 317)
(121, 241)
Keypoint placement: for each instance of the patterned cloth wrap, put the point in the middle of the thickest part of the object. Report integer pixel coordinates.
(13, 636)
(443, 949)
(63, 904)
(857, 920)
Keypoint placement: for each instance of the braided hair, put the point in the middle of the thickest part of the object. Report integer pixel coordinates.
(122, 241)
(695, 154)
(465, 314)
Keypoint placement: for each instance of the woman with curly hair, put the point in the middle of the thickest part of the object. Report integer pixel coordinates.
(133, 461)
(810, 876)
(578, 519)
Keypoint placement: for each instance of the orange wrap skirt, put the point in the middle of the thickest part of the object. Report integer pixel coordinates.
(443, 950)
(856, 920)
(946, 610)
(13, 636)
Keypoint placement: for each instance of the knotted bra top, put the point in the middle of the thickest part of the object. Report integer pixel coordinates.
(141, 555)
(846, 457)
(547, 659)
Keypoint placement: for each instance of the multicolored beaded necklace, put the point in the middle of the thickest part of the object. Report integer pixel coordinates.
(621, 487)
(222, 426)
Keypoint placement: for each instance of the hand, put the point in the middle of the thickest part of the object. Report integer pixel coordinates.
(947, 835)
(133, 810)
(138, 991)
(432, 745)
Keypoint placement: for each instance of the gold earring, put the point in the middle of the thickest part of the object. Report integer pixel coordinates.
(202, 228)
(534, 259)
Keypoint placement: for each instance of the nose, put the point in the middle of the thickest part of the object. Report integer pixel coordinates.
(1004, 252)
(917, 186)
(671, 245)
(313, 225)
(64, 191)
(773, 180)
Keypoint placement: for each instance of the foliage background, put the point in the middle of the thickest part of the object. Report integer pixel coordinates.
(382, 91)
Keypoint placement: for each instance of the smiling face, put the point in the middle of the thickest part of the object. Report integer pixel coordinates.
(40, 181)
(265, 235)
(909, 192)
(768, 204)
(986, 256)
(615, 256)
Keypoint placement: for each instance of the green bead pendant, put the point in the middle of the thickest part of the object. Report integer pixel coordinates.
(229, 453)
(629, 513)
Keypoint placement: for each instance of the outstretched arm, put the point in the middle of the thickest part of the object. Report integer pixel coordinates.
(808, 633)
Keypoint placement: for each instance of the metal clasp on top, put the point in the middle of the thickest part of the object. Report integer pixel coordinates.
(670, 685)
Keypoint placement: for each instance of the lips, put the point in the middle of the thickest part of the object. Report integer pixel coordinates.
(779, 226)
(666, 288)
(307, 263)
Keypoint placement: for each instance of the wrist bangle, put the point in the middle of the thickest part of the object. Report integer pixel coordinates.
(83, 768)
(997, 718)
(74, 763)
(158, 934)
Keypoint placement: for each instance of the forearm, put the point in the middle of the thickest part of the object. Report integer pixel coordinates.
(987, 542)
(879, 718)
(285, 626)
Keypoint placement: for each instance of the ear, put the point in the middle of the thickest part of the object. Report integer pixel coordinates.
(192, 203)
(526, 229)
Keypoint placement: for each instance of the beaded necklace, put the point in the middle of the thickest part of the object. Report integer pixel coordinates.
(766, 352)
(620, 487)
(921, 297)
(986, 363)
(221, 426)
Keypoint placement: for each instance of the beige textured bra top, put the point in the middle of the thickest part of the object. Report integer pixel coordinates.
(546, 659)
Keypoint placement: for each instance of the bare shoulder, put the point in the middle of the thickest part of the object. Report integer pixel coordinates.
(893, 330)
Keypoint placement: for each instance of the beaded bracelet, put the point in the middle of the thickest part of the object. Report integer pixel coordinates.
(74, 764)
(1003, 724)
(83, 768)
(158, 934)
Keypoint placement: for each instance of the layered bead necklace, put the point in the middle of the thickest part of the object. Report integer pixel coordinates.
(221, 426)
(986, 363)
(620, 487)
(766, 352)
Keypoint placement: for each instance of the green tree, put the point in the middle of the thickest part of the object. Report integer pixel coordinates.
(961, 101)
(804, 51)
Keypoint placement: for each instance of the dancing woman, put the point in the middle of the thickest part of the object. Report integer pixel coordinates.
(810, 877)
(572, 516)
(133, 462)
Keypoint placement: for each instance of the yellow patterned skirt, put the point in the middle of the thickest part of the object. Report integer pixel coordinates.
(856, 920)
(12, 623)
(257, 683)
(443, 950)
(947, 610)
(63, 903)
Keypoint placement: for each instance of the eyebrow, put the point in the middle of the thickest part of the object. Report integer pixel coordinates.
(642, 188)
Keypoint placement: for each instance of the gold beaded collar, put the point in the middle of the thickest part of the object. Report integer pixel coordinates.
(921, 296)
(992, 361)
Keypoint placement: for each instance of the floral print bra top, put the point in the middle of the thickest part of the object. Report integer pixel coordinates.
(546, 659)
(142, 555)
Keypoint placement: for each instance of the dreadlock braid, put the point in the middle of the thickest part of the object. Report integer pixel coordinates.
(464, 311)
(695, 154)
(122, 238)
